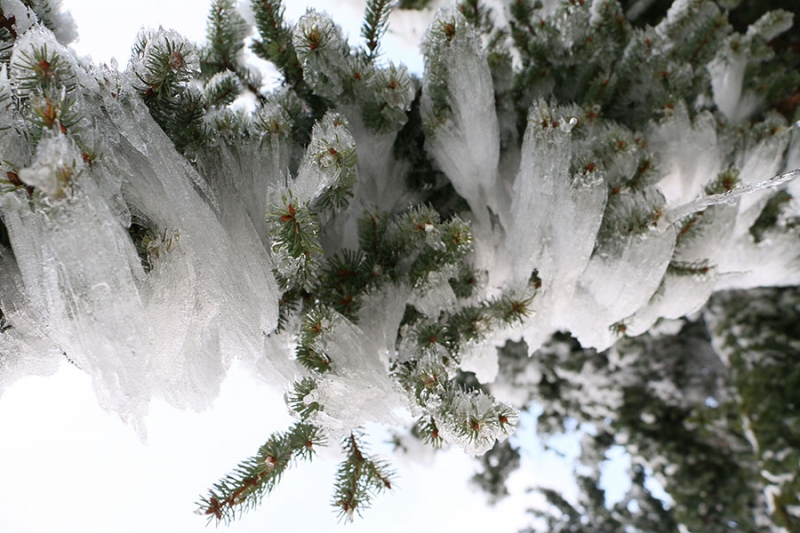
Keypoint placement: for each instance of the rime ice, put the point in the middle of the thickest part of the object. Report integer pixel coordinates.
(154, 269)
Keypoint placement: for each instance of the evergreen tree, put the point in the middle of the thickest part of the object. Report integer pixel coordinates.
(594, 167)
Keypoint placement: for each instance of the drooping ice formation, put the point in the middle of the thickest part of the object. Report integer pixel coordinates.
(359, 389)
(152, 272)
(555, 217)
(458, 109)
(167, 324)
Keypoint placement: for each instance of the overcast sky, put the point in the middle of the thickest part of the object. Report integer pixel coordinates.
(68, 466)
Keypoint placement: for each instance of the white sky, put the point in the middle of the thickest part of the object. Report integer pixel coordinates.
(67, 466)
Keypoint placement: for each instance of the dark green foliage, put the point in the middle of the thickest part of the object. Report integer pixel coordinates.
(316, 321)
(426, 430)
(4, 240)
(592, 516)
(165, 71)
(343, 281)
(222, 90)
(497, 464)
(46, 91)
(295, 398)
(413, 4)
(612, 68)
(275, 43)
(225, 36)
(375, 23)
(141, 237)
(477, 14)
(727, 180)
(8, 34)
(617, 70)
(680, 403)
(244, 488)
(465, 282)
(43, 70)
(295, 230)
(165, 67)
(359, 479)
(422, 175)
(759, 335)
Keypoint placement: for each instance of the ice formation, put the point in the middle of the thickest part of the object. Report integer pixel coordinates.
(170, 324)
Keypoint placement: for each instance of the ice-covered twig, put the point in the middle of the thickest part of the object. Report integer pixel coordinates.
(681, 211)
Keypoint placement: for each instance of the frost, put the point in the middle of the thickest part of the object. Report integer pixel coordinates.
(329, 158)
(24, 17)
(555, 218)
(434, 294)
(57, 163)
(162, 50)
(690, 152)
(475, 421)
(618, 282)
(92, 308)
(458, 107)
(25, 348)
(54, 17)
(358, 389)
(321, 50)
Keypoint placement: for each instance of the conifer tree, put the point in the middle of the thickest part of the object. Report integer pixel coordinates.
(586, 173)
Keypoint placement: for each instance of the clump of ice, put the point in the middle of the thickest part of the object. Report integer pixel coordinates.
(167, 324)
(616, 283)
(465, 142)
(24, 345)
(147, 66)
(24, 18)
(323, 164)
(322, 52)
(554, 217)
(728, 67)
(474, 421)
(358, 389)
(690, 153)
(58, 161)
(92, 307)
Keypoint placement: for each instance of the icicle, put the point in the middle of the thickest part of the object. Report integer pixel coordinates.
(671, 216)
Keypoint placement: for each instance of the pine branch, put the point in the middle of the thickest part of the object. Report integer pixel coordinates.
(770, 215)
(428, 432)
(477, 14)
(376, 21)
(256, 476)
(295, 232)
(297, 399)
(316, 322)
(40, 69)
(276, 41)
(359, 479)
(222, 89)
(225, 33)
